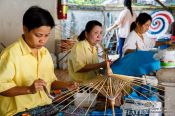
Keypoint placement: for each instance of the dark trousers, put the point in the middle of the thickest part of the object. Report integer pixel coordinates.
(120, 46)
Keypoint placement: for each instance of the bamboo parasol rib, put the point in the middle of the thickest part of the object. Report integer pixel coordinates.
(110, 85)
(126, 78)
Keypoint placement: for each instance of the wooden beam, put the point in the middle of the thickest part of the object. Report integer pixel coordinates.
(159, 2)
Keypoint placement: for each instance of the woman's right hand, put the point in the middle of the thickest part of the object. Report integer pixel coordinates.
(37, 86)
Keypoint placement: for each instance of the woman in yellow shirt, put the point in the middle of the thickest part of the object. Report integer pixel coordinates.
(26, 67)
(83, 60)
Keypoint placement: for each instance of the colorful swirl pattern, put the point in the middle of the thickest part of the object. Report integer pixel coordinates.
(161, 20)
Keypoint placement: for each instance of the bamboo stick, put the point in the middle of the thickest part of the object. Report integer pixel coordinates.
(126, 78)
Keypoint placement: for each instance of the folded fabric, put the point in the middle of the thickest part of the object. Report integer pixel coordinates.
(136, 64)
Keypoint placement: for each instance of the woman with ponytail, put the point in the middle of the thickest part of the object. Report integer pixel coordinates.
(83, 60)
(137, 38)
(126, 17)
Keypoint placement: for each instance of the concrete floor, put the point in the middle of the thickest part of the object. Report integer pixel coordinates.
(169, 99)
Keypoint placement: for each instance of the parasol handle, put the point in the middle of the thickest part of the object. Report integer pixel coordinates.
(108, 68)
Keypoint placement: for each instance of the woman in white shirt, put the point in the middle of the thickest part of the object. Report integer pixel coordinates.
(123, 22)
(137, 38)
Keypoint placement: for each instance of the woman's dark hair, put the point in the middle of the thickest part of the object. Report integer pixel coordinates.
(89, 26)
(128, 3)
(141, 19)
(35, 17)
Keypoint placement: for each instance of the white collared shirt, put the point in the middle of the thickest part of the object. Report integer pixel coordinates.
(134, 39)
(124, 22)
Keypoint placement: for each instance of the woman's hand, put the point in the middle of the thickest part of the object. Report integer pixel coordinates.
(170, 42)
(104, 63)
(37, 86)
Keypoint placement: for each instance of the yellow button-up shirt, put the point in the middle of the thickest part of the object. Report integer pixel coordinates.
(18, 67)
(82, 54)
